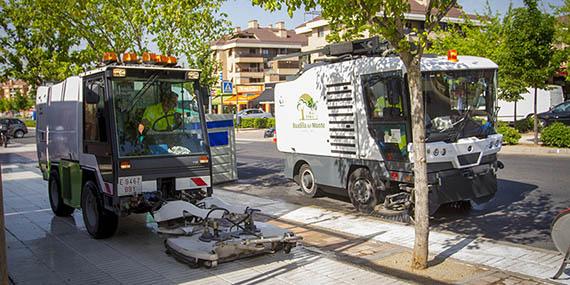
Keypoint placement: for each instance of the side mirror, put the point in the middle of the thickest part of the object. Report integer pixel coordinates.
(92, 94)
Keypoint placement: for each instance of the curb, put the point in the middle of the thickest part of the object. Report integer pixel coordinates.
(537, 150)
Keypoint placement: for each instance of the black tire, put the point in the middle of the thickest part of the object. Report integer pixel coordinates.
(59, 208)
(308, 182)
(100, 223)
(19, 134)
(363, 191)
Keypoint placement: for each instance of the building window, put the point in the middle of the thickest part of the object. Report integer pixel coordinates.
(255, 80)
(253, 51)
(320, 32)
(282, 77)
(265, 52)
(230, 52)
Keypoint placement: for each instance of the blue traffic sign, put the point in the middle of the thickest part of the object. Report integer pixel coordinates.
(227, 87)
(221, 76)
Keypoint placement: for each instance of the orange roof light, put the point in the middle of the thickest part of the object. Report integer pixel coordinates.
(130, 57)
(452, 55)
(163, 60)
(147, 57)
(171, 61)
(109, 57)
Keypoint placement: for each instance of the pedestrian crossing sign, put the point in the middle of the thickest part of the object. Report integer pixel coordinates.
(227, 87)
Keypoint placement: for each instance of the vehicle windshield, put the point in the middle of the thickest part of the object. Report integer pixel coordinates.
(156, 117)
(459, 103)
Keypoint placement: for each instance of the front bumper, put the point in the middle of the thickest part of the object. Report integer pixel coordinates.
(478, 184)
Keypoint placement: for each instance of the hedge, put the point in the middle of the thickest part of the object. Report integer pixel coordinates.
(510, 134)
(256, 123)
(557, 135)
(30, 123)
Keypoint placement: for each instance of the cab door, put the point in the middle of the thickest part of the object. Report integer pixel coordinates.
(96, 127)
(387, 112)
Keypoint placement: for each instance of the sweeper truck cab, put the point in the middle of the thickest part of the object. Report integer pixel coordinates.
(345, 124)
(115, 140)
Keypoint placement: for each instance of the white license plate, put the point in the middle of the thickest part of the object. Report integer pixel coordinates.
(129, 185)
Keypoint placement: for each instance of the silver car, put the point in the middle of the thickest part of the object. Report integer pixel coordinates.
(253, 113)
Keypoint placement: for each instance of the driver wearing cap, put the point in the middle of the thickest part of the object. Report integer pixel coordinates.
(161, 116)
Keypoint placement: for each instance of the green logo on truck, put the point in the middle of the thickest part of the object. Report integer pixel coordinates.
(307, 107)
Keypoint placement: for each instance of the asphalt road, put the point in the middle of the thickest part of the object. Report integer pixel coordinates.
(532, 190)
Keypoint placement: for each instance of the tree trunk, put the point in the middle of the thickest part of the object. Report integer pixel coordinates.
(515, 112)
(421, 212)
(535, 117)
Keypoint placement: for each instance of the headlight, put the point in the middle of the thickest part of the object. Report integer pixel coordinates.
(436, 152)
(443, 151)
(491, 144)
(498, 143)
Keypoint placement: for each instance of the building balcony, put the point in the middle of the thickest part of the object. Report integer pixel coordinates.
(249, 58)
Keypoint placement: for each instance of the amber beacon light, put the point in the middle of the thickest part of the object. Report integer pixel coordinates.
(452, 55)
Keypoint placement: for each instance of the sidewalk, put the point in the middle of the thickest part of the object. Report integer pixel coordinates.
(251, 135)
(44, 249)
(526, 146)
(512, 260)
(340, 248)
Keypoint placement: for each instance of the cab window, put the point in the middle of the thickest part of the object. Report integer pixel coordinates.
(383, 98)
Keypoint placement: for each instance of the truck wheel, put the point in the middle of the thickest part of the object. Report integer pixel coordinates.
(362, 191)
(55, 200)
(307, 181)
(100, 223)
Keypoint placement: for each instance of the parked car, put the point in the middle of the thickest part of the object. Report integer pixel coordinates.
(16, 128)
(253, 113)
(559, 113)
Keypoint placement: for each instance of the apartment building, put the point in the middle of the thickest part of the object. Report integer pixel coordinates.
(246, 61)
(318, 28)
(10, 88)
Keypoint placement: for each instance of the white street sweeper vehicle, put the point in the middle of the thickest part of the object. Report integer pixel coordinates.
(345, 124)
(131, 137)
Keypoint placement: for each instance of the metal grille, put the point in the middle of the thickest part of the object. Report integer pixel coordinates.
(340, 103)
(467, 159)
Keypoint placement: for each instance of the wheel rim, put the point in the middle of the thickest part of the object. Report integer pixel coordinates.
(362, 191)
(307, 181)
(90, 209)
(53, 197)
(19, 134)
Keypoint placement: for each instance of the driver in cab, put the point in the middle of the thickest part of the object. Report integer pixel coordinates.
(161, 116)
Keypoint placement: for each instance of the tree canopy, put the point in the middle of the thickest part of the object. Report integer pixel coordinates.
(68, 37)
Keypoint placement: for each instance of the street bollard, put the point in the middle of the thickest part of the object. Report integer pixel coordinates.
(3, 258)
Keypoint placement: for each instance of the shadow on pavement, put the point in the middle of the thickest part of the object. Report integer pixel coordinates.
(513, 215)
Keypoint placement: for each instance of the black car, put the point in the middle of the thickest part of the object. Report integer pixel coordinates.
(559, 113)
(16, 128)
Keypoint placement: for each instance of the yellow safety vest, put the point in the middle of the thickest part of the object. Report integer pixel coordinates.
(154, 112)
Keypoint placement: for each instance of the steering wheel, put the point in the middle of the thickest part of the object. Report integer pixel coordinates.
(177, 118)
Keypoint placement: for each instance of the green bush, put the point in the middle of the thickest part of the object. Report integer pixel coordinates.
(557, 135)
(510, 135)
(30, 123)
(525, 125)
(256, 123)
(270, 123)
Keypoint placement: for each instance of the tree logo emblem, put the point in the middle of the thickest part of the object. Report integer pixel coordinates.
(307, 107)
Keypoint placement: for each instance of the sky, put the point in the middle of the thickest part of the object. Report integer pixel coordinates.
(241, 11)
